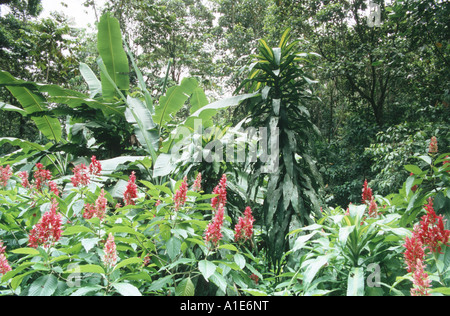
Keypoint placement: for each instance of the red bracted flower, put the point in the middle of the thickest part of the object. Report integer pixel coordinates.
(48, 230)
(373, 208)
(4, 265)
(95, 167)
(42, 176)
(431, 231)
(131, 190)
(197, 187)
(367, 194)
(244, 228)
(445, 163)
(89, 211)
(433, 148)
(100, 205)
(81, 175)
(255, 278)
(2, 248)
(53, 187)
(5, 175)
(98, 209)
(110, 257)
(414, 251)
(213, 231)
(24, 177)
(221, 190)
(180, 196)
(421, 281)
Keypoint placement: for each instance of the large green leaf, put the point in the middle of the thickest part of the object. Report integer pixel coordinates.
(198, 100)
(141, 82)
(44, 286)
(110, 48)
(145, 129)
(27, 146)
(173, 100)
(126, 289)
(91, 79)
(33, 102)
(74, 101)
(185, 288)
(207, 268)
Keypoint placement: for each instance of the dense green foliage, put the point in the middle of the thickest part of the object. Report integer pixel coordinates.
(166, 93)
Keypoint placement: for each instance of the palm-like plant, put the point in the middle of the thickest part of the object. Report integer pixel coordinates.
(292, 187)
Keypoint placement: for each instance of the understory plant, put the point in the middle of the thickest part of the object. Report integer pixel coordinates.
(376, 246)
(170, 239)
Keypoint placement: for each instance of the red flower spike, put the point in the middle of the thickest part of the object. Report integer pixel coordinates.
(197, 187)
(110, 257)
(421, 281)
(4, 265)
(131, 191)
(244, 228)
(221, 190)
(367, 194)
(42, 176)
(213, 231)
(431, 231)
(433, 148)
(95, 167)
(48, 230)
(373, 208)
(5, 175)
(179, 198)
(81, 176)
(414, 251)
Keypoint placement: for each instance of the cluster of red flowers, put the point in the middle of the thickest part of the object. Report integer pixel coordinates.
(110, 257)
(24, 177)
(48, 230)
(255, 278)
(4, 265)
(368, 199)
(428, 234)
(431, 231)
(214, 230)
(98, 209)
(42, 178)
(131, 190)
(179, 198)
(95, 167)
(197, 187)
(221, 190)
(244, 228)
(414, 251)
(421, 281)
(367, 194)
(82, 174)
(5, 175)
(433, 148)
